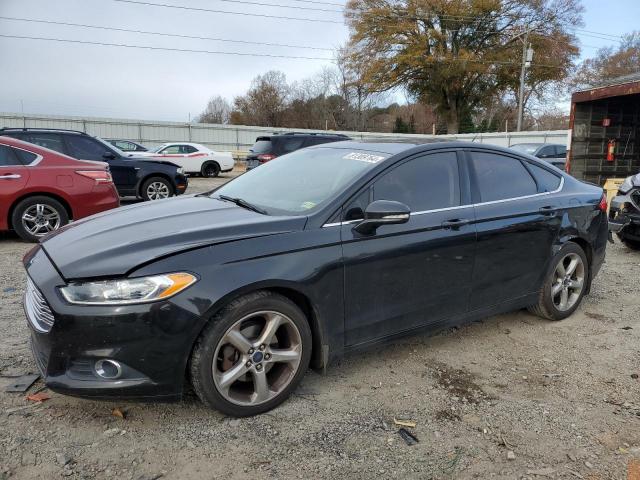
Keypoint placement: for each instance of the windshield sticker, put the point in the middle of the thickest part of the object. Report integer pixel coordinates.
(363, 157)
(308, 205)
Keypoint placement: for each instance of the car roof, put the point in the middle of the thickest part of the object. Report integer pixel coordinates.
(421, 145)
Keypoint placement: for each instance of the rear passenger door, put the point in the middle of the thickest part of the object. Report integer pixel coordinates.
(517, 223)
(419, 273)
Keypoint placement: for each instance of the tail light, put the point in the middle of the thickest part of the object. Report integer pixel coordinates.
(100, 176)
(602, 206)
(265, 157)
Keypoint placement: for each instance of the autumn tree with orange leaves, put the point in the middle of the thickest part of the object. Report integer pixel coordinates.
(454, 54)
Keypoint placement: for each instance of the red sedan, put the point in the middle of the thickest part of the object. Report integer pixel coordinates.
(41, 190)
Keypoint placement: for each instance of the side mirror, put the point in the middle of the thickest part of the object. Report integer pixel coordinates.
(108, 155)
(382, 212)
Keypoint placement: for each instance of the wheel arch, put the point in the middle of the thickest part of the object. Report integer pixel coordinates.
(300, 299)
(588, 251)
(156, 174)
(54, 196)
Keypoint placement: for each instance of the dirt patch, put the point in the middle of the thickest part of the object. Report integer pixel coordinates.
(459, 383)
(447, 415)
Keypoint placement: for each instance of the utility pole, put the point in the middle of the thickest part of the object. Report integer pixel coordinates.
(527, 57)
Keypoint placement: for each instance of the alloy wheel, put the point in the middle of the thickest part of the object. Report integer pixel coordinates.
(568, 282)
(40, 219)
(157, 191)
(257, 358)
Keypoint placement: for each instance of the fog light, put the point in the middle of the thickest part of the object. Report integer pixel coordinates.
(109, 369)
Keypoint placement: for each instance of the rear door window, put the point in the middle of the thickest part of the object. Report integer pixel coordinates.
(86, 148)
(547, 181)
(8, 157)
(428, 182)
(291, 144)
(52, 141)
(499, 177)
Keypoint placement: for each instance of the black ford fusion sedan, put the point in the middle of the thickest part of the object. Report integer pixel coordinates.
(321, 252)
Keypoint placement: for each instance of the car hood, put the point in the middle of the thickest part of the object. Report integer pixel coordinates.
(114, 243)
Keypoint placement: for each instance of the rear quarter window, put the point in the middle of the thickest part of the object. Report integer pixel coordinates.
(547, 181)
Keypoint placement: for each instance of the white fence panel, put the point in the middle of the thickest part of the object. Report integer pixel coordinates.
(238, 138)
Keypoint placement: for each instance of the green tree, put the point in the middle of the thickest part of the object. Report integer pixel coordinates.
(452, 54)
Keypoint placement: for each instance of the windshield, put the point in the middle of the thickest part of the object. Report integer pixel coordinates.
(301, 182)
(529, 148)
(158, 148)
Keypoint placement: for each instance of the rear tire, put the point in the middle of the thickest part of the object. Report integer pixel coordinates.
(565, 284)
(34, 217)
(210, 169)
(251, 355)
(156, 188)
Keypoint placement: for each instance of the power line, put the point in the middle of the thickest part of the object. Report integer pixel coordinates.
(279, 5)
(146, 32)
(243, 54)
(245, 14)
(169, 49)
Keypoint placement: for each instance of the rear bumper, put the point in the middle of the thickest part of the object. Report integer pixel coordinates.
(101, 198)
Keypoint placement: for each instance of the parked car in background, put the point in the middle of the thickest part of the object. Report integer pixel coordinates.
(42, 190)
(193, 158)
(624, 212)
(269, 147)
(554, 153)
(328, 250)
(138, 177)
(126, 145)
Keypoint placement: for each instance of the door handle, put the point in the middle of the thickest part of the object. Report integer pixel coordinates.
(455, 223)
(548, 210)
(10, 176)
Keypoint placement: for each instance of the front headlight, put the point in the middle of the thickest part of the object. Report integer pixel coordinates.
(181, 170)
(626, 186)
(128, 290)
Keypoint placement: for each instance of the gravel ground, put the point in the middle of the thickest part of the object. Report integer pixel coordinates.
(513, 396)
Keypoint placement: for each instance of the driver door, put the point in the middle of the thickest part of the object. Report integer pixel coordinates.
(411, 275)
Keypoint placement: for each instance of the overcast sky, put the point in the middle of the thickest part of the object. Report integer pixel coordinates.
(91, 80)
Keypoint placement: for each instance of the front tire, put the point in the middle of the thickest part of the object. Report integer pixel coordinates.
(156, 188)
(565, 284)
(251, 355)
(210, 169)
(34, 217)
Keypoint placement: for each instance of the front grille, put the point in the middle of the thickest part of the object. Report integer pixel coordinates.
(35, 306)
